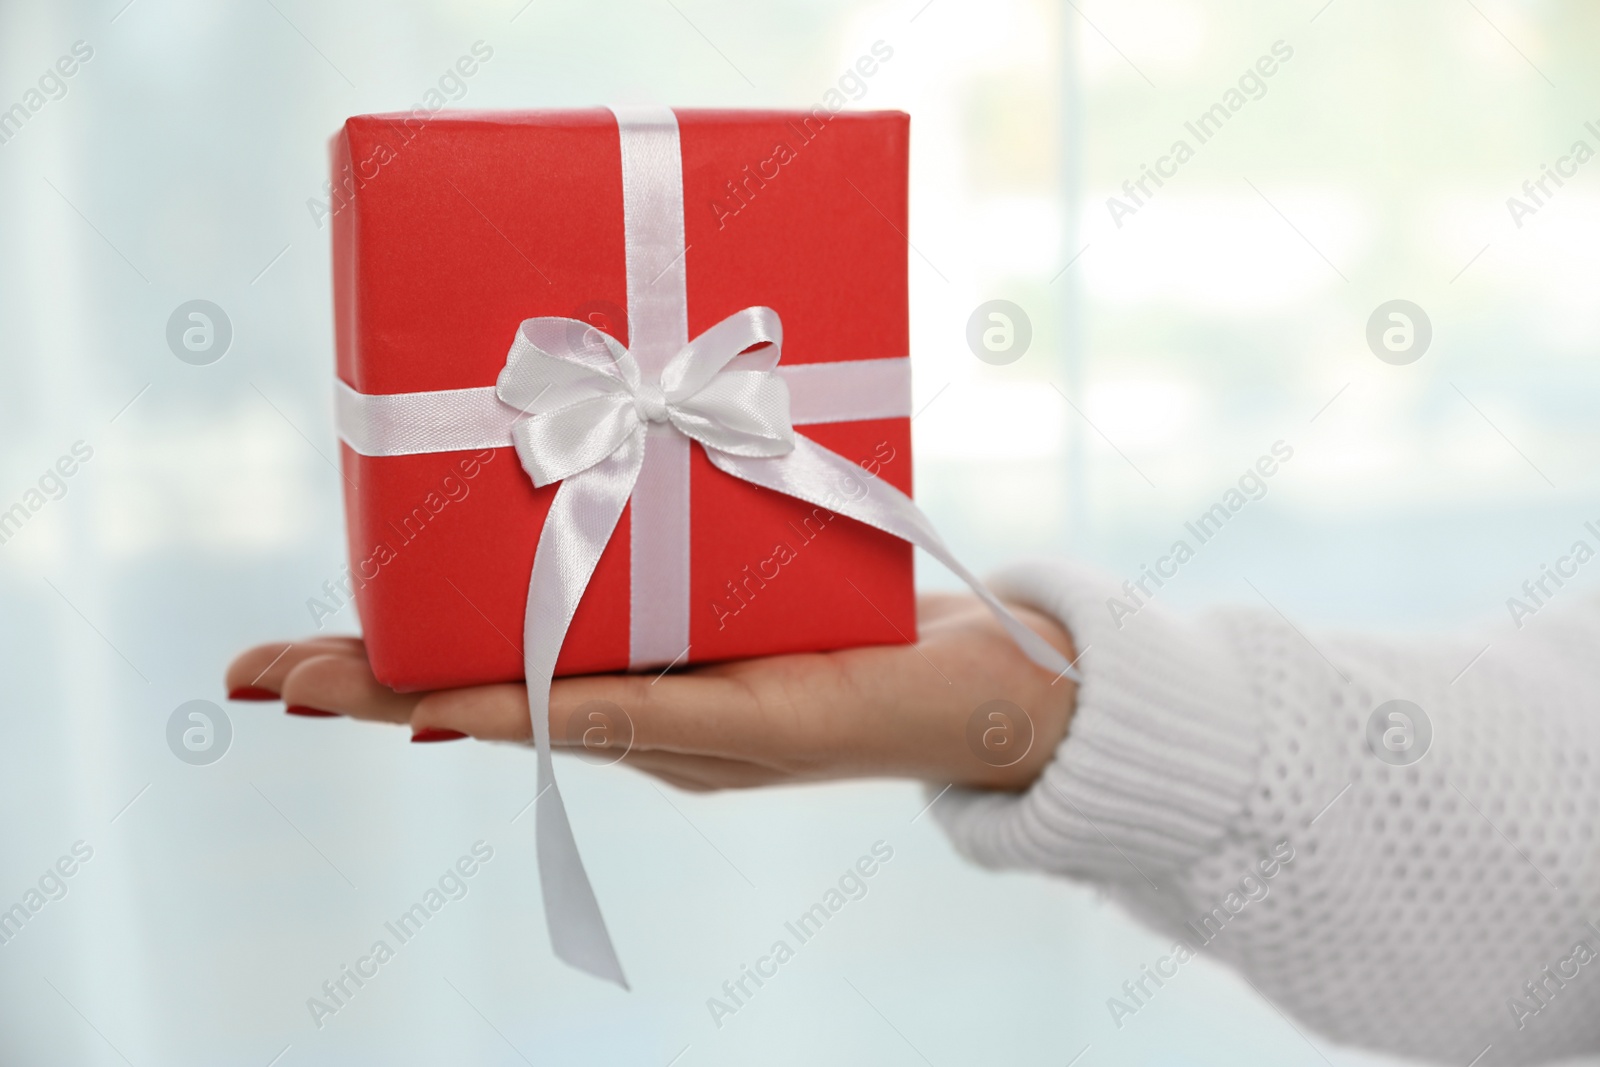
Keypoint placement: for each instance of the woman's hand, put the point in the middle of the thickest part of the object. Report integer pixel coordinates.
(885, 711)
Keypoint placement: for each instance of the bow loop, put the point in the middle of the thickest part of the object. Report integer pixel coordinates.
(553, 445)
(704, 357)
(556, 362)
(743, 413)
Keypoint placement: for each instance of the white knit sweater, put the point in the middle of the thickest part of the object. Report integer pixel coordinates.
(1431, 910)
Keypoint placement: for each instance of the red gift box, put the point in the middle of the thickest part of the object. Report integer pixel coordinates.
(451, 230)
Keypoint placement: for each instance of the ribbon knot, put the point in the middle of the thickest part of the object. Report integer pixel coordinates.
(650, 403)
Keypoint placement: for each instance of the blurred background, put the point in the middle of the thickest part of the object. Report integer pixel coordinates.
(1175, 337)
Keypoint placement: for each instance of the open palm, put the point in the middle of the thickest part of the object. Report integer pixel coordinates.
(884, 711)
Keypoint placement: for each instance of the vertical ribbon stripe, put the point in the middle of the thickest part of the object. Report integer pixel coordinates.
(658, 326)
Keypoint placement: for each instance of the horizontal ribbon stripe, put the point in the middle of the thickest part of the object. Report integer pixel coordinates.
(407, 424)
(462, 420)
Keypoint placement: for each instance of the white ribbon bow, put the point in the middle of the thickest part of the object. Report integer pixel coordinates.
(588, 413)
(585, 398)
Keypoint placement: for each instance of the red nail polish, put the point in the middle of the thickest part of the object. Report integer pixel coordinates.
(310, 713)
(432, 733)
(252, 692)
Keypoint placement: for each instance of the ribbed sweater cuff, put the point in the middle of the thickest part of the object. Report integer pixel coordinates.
(1161, 752)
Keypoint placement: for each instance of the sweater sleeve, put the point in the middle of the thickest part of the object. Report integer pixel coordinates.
(1422, 884)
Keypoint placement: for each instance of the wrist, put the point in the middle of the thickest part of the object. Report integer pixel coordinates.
(1011, 740)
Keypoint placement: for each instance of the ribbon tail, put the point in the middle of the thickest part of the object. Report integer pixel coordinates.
(582, 518)
(816, 475)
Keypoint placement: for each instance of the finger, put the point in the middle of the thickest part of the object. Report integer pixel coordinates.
(606, 713)
(487, 712)
(264, 667)
(764, 711)
(778, 712)
(344, 684)
(705, 713)
(500, 712)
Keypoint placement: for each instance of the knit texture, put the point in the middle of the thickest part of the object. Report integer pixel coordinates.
(1433, 909)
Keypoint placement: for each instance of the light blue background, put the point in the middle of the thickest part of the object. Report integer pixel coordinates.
(1221, 317)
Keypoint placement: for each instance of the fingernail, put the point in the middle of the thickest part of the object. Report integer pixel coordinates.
(310, 713)
(252, 692)
(433, 733)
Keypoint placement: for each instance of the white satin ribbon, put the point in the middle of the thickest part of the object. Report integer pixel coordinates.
(612, 424)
